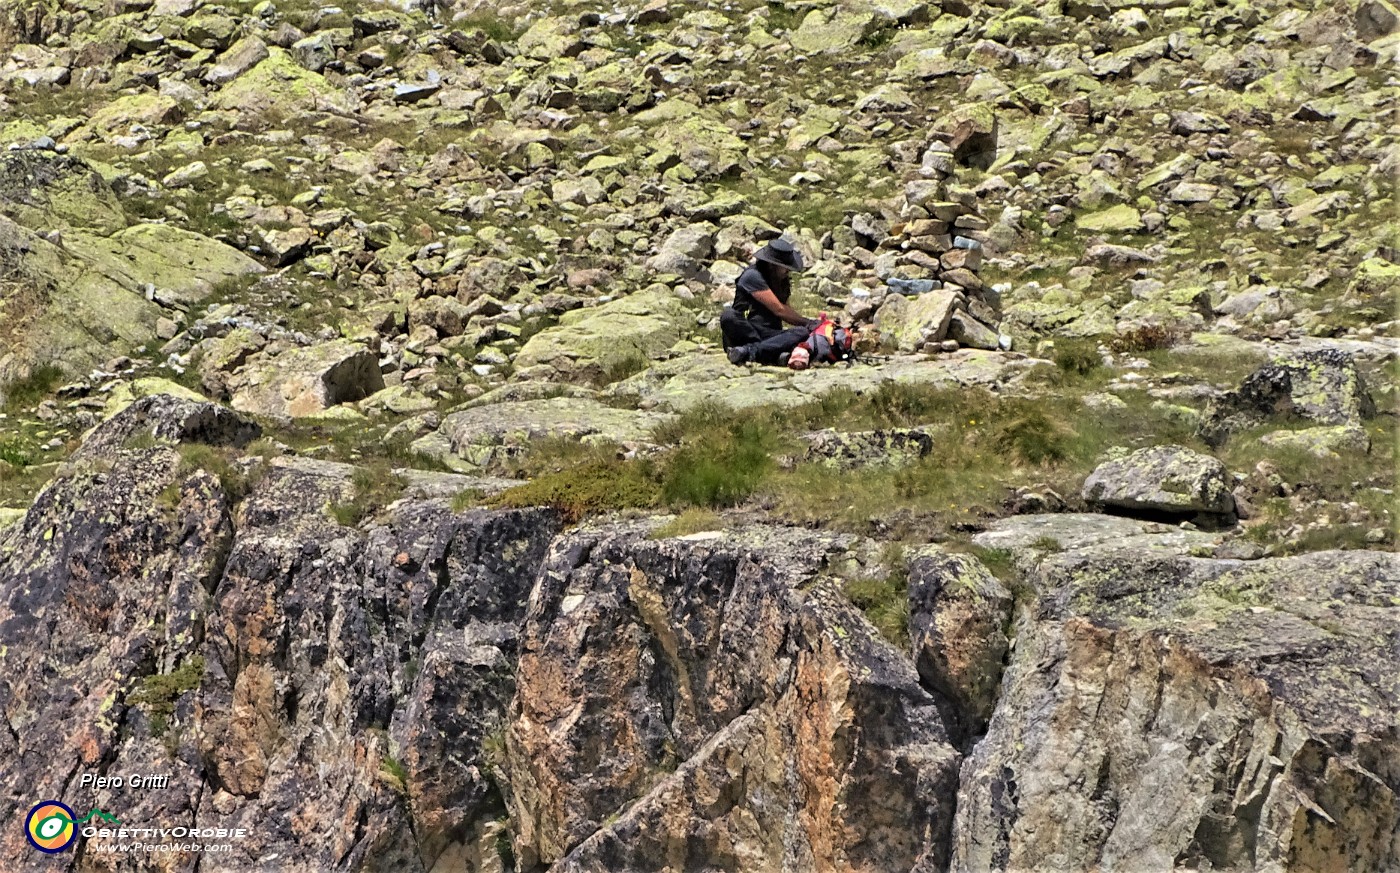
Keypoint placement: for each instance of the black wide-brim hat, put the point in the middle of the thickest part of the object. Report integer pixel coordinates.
(781, 252)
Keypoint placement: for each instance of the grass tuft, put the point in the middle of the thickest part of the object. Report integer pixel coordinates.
(1076, 357)
(587, 489)
(374, 487)
(885, 600)
(688, 522)
(27, 393)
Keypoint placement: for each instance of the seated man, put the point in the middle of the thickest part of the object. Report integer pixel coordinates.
(753, 326)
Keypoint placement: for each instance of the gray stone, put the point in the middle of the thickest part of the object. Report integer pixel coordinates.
(485, 438)
(1322, 386)
(241, 57)
(892, 447)
(684, 251)
(1325, 442)
(910, 322)
(958, 615)
(302, 382)
(1165, 479)
(971, 333)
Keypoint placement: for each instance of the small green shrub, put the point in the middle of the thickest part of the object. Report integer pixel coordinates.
(391, 765)
(723, 468)
(588, 489)
(703, 418)
(13, 455)
(1076, 357)
(157, 693)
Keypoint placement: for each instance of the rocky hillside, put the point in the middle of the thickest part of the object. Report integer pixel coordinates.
(369, 464)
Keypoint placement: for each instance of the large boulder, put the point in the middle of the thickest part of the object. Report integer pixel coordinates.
(484, 439)
(606, 343)
(1321, 386)
(241, 57)
(684, 133)
(43, 191)
(1162, 479)
(683, 382)
(685, 251)
(970, 332)
(909, 322)
(1163, 711)
(279, 86)
(305, 380)
(168, 418)
(81, 286)
(125, 114)
(832, 31)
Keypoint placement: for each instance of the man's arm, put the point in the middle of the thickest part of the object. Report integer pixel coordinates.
(779, 308)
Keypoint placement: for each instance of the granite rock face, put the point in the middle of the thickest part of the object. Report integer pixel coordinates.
(481, 690)
(1163, 711)
(730, 706)
(328, 688)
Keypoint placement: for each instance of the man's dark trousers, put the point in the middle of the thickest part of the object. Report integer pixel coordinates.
(766, 344)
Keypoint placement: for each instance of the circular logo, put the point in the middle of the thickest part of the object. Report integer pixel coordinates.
(50, 827)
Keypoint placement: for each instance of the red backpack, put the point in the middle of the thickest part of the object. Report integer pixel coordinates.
(828, 343)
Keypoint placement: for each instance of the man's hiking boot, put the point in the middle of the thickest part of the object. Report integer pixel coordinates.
(738, 354)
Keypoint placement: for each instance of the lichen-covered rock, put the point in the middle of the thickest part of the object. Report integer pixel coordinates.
(1325, 442)
(891, 447)
(144, 110)
(43, 191)
(1322, 386)
(241, 57)
(485, 438)
(606, 343)
(82, 286)
(806, 740)
(830, 31)
(684, 251)
(1116, 219)
(911, 322)
(279, 84)
(681, 383)
(305, 380)
(958, 617)
(1166, 479)
(971, 333)
(1162, 711)
(697, 139)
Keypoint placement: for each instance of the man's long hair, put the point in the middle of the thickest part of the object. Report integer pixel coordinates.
(782, 287)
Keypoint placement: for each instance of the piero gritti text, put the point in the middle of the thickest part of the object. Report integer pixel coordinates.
(135, 781)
